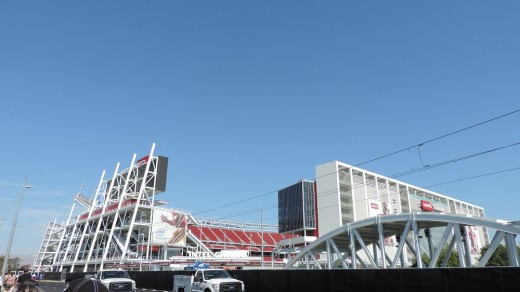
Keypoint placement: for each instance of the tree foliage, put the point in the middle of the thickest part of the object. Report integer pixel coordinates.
(12, 265)
(25, 267)
(499, 257)
(453, 260)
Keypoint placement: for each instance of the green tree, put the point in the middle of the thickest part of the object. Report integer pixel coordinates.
(453, 260)
(12, 265)
(499, 257)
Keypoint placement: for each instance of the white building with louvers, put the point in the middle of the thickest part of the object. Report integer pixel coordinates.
(346, 194)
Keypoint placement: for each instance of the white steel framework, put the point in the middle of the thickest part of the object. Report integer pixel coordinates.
(361, 244)
(49, 246)
(110, 230)
(124, 225)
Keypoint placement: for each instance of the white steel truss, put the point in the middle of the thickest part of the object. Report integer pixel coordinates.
(348, 247)
(116, 226)
(49, 246)
(121, 226)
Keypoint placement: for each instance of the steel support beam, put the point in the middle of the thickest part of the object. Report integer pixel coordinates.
(364, 247)
(407, 228)
(402, 242)
(512, 253)
(445, 236)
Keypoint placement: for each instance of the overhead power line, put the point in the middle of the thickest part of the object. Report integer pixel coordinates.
(453, 160)
(237, 202)
(473, 177)
(355, 186)
(251, 211)
(332, 192)
(440, 137)
(396, 152)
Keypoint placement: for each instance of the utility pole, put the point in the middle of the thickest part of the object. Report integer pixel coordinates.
(262, 233)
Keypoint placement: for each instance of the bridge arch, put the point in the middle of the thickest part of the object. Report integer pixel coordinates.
(393, 238)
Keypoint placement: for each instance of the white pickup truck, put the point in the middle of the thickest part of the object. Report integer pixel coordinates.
(211, 280)
(116, 280)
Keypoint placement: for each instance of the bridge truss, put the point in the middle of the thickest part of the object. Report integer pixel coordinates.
(389, 241)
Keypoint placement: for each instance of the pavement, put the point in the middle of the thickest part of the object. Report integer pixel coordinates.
(56, 286)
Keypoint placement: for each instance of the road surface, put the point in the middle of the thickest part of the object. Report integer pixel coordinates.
(59, 286)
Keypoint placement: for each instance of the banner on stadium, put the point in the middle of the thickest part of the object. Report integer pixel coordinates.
(474, 239)
(169, 228)
(378, 208)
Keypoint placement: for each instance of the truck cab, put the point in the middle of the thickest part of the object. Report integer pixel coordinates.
(215, 280)
(116, 280)
(210, 280)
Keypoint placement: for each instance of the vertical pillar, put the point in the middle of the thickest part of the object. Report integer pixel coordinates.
(381, 244)
(330, 258)
(262, 235)
(353, 250)
(354, 217)
(429, 238)
(417, 245)
(512, 253)
(402, 253)
(458, 238)
(466, 243)
(367, 205)
(376, 255)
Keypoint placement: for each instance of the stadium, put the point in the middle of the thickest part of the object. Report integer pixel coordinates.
(126, 225)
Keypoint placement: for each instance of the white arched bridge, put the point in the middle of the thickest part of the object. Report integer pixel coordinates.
(392, 241)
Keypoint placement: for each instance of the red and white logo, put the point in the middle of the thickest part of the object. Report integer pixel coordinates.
(426, 206)
(143, 160)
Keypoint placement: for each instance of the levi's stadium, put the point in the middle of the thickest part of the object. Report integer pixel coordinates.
(126, 225)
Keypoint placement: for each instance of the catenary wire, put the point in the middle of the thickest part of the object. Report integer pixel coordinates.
(332, 192)
(237, 202)
(355, 186)
(473, 177)
(453, 160)
(387, 155)
(251, 211)
(439, 137)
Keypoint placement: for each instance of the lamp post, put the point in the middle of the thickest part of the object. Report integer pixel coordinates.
(1, 219)
(10, 242)
(262, 232)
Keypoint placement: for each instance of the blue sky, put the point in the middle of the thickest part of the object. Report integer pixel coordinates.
(247, 97)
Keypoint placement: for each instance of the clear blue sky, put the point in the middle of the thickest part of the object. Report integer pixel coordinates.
(247, 97)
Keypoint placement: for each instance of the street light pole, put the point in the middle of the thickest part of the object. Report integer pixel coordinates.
(10, 242)
(1, 219)
(262, 232)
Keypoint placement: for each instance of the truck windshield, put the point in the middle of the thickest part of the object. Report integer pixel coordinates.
(216, 274)
(114, 274)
